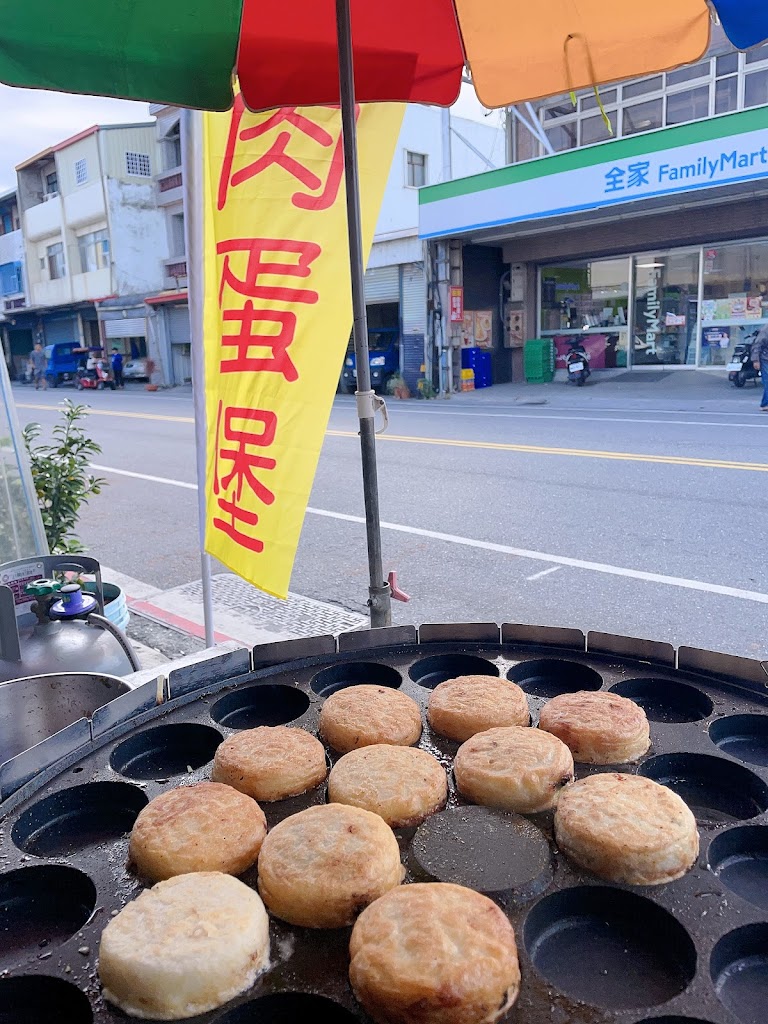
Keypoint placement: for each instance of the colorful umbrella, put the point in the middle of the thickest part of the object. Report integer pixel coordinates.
(309, 52)
(410, 50)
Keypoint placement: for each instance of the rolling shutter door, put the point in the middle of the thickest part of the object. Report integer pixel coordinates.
(126, 327)
(382, 284)
(413, 312)
(58, 331)
(178, 325)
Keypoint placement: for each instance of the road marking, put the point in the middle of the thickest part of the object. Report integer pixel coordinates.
(582, 453)
(113, 412)
(502, 549)
(589, 419)
(143, 476)
(544, 572)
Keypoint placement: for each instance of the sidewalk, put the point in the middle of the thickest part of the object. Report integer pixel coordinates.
(678, 390)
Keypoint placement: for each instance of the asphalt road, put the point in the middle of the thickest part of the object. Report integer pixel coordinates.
(623, 513)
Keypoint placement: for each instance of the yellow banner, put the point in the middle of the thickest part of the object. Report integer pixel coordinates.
(277, 317)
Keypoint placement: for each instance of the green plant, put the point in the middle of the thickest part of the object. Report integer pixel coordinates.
(60, 472)
(427, 388)
(397, 386)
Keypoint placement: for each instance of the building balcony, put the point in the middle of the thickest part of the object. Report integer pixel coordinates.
(44, 220)
(175, 272)
(11, 248)
(85, 206)
(170, 187)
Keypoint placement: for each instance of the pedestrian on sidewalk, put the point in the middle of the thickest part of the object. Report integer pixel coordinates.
(39, 363)
(759, 356)
(117, 368)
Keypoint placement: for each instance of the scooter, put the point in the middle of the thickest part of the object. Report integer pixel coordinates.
(741, 368)
(96, 379)
(577, 363)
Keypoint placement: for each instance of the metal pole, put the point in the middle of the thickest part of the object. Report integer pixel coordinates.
(193, 225)
(379, 600)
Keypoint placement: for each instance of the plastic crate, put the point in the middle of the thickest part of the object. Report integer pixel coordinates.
(539, 360)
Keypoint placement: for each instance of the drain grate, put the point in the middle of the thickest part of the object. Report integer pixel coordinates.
(295, 617)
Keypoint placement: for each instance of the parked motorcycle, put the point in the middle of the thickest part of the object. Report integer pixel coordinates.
(96, 379)
(741, 368)
(577, 362)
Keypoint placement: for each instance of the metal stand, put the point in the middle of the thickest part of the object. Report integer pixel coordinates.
(379, 600)
(193, 209)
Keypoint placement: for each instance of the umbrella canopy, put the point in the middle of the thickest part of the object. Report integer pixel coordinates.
(406, 50)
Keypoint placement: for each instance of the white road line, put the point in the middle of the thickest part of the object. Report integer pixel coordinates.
(501, 549)
(587, 419)
(544, 572)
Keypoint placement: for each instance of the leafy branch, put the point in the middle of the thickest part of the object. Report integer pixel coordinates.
(62, 477)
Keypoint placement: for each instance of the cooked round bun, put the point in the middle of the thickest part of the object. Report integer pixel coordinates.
(403, 785)
(515, 769)
(320, 867)
(628, 829)
(270, 763)
(434, 952)
(206, 827)
(359, 716)
(184, 947)
(599, 727)
(460, 707)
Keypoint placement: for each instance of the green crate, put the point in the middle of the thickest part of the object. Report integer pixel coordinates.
(539, 360)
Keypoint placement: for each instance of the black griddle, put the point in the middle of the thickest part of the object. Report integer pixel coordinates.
(692, 952)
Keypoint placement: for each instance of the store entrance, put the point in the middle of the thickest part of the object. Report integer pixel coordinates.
(666, 309)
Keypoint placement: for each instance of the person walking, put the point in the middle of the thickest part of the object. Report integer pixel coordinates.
(39, 363)
(117, 368)
(759, 356)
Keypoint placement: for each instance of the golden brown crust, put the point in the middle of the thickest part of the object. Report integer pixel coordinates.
(626, 828)
(359, 716)
(434, 952)
(320, 867)
(599, 727)
(205, 827)
(461, 707)
(403, 785)
(515, 768)
(270, 763)
(184, 947)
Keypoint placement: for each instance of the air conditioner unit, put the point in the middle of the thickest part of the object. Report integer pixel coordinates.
(49, 195)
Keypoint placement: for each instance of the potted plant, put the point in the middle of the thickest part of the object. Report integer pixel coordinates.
(396, 386)
(150, 385)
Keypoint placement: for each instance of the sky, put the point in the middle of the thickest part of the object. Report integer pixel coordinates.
(30, 121)
(33, 120)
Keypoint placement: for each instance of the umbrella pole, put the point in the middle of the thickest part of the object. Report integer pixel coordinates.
(379, 600)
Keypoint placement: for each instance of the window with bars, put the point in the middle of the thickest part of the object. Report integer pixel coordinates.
(81, 171)
(138, 165)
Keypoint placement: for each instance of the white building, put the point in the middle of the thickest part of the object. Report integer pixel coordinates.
(95, 241)
(433, 146)
(17, 342)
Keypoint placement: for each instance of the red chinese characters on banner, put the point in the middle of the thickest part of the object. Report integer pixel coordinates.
(242, 434)
(318, 194)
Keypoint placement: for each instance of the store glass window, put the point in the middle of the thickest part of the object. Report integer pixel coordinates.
(587, 302)
(727, 64)
(734, 300)
(589, 102)
(756, 89)
(689, 73)
(690, 105)
(666, 300)
(594, 129)
(757, 53)
(643, 117)
(726, 95)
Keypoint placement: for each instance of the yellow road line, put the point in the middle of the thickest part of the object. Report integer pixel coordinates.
(583, 453)
(113, 412)
(495, 446)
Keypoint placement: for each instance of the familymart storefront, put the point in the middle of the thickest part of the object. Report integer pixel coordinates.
(652, 249)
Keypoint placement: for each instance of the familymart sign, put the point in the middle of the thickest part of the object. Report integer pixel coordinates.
(707, 154)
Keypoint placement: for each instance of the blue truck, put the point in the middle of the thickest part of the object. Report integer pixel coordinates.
(63, 358)
(384, 359)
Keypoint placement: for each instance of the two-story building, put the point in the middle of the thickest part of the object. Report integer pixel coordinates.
(641, 228)
(95, 242)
